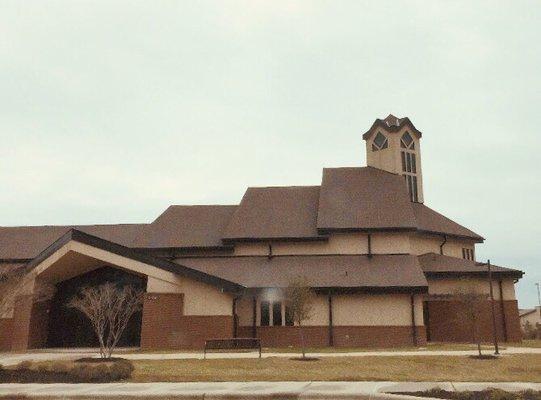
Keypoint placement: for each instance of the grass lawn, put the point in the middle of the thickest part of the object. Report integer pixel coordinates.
(529, 343)
(524, 368)
(429, 346)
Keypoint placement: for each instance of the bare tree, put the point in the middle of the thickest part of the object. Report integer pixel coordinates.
(18, 282)
(109, 309)
(473, 303)
(299, 297)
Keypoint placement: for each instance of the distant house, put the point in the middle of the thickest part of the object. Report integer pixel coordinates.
(382, 265)
(531, 315)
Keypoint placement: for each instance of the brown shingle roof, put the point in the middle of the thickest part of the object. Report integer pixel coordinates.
(429, 220)
(26, 242)
(10, 267)
(437, 264)
(187, 226)
(275, 212)
(368, 198)
(363, 198)
(396, 272)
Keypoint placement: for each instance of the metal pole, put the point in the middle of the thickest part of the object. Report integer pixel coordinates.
(538, 298)
(494, 332)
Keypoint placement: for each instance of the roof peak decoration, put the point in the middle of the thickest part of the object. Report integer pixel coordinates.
(390, 124)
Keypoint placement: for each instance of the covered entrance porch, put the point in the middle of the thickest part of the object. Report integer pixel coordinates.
(181, 308)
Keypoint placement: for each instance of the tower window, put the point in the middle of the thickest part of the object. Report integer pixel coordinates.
(409, 165)
(380, 142)
(407, 141)
(468, 254)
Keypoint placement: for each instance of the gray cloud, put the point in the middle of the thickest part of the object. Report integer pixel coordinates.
(110, 111)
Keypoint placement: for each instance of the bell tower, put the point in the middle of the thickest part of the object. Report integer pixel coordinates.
(393, 144)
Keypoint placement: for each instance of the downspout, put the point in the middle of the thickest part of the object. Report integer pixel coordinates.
(413, 327)
(235, 318)
(443, 244)
(254, 317)
(331, 334)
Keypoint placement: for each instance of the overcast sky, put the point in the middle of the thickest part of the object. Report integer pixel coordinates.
(112, 110)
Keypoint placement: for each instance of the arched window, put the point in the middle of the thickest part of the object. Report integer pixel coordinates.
(380, 142)
(409, 165)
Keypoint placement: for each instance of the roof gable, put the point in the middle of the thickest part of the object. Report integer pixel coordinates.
(114, 248)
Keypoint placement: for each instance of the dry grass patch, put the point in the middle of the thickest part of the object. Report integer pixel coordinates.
(521, 368)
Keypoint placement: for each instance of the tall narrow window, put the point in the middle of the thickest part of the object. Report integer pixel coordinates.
(409, 165)
(277, 314)
(289, 316)
(265, 313)
(415, 196)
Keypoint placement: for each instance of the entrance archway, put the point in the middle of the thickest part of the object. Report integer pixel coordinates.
(70, 328)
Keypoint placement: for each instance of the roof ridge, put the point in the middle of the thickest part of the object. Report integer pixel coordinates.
(202, 205)
(283, 187)
(72, 225)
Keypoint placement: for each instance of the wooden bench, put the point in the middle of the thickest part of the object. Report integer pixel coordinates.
(232, 344)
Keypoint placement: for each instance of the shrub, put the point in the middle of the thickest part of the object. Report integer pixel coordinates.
(24, 365)
(68, 371)
(101, 372)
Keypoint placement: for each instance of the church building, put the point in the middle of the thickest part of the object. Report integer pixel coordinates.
(382, 265)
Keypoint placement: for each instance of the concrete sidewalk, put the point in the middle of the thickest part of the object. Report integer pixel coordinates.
(252, 390)
(12, 359)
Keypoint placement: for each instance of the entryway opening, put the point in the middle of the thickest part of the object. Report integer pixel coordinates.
(68, 327)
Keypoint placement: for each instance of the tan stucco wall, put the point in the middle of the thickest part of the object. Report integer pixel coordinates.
(376, 310)
(350, 310)
(452, 286)
(422, 244)
(389, 159)
(341, 243)
(199, 298)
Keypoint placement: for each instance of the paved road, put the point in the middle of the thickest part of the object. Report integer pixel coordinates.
(12, 359)
(252, 390)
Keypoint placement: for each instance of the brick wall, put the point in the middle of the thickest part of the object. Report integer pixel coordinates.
(448, 323)
(5, 333)
(344, 336)
(30, 323)
(165, 327)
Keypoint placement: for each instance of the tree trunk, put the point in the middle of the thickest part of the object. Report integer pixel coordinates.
(301, 331)
(477, 338)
